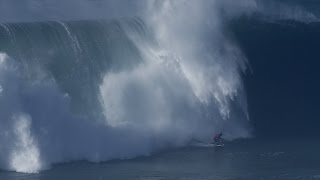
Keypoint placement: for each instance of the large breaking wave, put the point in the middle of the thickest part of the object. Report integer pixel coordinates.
(111, 89)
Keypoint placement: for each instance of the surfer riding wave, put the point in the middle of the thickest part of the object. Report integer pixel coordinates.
(217, 139)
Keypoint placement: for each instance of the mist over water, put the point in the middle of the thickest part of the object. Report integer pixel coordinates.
(153, 76)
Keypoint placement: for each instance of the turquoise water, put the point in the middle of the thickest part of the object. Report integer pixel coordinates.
(281, 159)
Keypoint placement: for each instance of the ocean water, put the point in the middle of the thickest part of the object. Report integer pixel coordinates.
(246, 159)
(111, 89)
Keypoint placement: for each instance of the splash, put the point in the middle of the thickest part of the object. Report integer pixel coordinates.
(26, 156)
(160, 80)
(180, 81)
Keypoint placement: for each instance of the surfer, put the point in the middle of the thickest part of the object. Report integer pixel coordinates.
(217, 139)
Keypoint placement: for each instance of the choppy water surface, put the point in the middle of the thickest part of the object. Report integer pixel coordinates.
(281, 159)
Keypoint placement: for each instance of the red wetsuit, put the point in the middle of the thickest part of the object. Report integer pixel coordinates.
(217, 137)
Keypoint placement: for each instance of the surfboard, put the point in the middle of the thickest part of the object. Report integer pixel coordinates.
(218, 145)
(207, 145)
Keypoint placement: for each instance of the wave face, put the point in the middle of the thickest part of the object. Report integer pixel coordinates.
(163, 75)
(282, 89)
(111, 89)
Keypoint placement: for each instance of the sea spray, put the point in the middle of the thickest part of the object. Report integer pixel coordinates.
(101, 90)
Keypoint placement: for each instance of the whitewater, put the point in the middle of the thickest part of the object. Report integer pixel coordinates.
(98, 86)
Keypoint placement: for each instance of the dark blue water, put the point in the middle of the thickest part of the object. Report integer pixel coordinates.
(282, 88)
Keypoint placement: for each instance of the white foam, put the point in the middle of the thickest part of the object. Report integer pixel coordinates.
(182, 90)
(25, 156)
